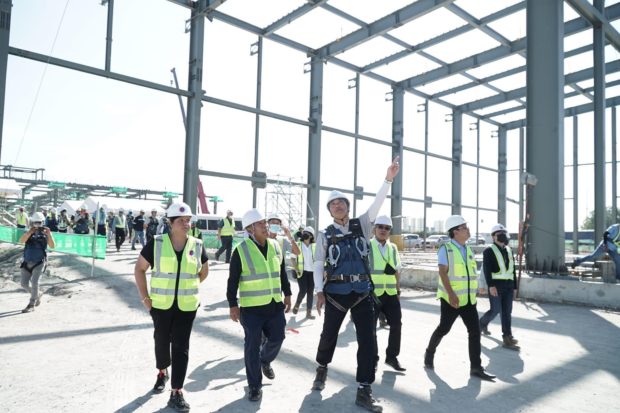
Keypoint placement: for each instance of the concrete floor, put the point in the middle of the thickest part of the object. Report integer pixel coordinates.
(88, 347)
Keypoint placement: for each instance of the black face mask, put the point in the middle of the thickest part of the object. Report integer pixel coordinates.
(503, 238)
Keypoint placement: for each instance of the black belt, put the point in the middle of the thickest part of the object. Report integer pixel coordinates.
(349, 278)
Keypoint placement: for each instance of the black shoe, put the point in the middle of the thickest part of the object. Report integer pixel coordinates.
(479, 372)
(319, 380)
(485, 330)
(295, 309)
(428, 360)
(255, 394)
(364, 399)
(573, 265)
(393, 362)
(177, 402)
(29, 308)
(268, 371)
(160, 383)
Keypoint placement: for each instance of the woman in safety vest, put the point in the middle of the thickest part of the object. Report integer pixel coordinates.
(305, 271)
(179, 264)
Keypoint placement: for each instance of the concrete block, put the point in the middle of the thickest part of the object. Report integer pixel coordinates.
(608, 271)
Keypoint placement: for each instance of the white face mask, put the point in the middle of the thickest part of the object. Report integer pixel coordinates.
(274, 228)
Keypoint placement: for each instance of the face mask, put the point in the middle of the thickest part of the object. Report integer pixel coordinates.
(274, 228)
(503, 238)
(36, 225)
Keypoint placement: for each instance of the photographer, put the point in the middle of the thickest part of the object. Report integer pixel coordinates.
(37, 239)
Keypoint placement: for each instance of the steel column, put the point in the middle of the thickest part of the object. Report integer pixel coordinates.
(501, 176)
(575, 184)
(598, 45)
(521, 170)
(477, 180)
(314, 141)
(425, 169)
(457, 160)
(357, 131)
(398, 107)
(108, 38)
(259, 88)
(194, 104)
(545, 134)
(614, 179)
(5, 31)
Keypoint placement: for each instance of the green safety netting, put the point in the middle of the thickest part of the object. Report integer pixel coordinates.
(211, 241)
(77, 244)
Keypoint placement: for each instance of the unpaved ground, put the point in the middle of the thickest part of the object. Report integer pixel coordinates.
(88, 347)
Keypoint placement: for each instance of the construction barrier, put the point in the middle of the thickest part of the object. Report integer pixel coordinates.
(211, 241)
(76, 244)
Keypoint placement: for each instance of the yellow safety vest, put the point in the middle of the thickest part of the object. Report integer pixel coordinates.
(504, 273)
(164, 276)
(195, 233)
(300, 257)
(228, 229)
(463, 275)
(21, 219)
(121, 221)
(260, 277)
(384, 283)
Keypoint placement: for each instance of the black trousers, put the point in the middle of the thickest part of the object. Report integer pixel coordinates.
(469, 315)
(390, 306)
(120, 237)
(172, 330)
(101, 229)
(227, 246)
(306, 288)
(363, 315)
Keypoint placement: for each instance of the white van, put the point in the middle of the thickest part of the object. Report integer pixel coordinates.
(208, 223)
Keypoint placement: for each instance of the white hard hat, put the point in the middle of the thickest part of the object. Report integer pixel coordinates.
(121, 210)
(179, 209)
(274, 216)
(44, 208)
(53, 210)
(383, 220)
(309, 229)
(337, 195)
(454, 221)
(250, 217)
(142, 210)
(154, 210)
(497, 228)
(37, 217)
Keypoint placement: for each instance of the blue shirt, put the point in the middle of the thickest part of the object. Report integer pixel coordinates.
(612, 232)
(442, 255)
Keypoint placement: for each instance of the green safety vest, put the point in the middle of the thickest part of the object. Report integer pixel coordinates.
(504, 273)
(260, 277)
(195, 233)
(228, 229)
(164, 276)
(384, 283)
(21, 219)
(300, 257)
(120, 223)
(463, 275)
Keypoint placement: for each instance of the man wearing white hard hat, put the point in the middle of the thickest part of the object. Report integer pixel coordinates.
(151, 225)
(21, 219)
(500, 275)
(457, 289)
(120, 226)
(304, 269)
(257, 270)
(179, 264)
(385, 267)
(342, 252)
(225, 233)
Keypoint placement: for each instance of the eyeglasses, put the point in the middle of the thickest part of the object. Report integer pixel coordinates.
(384, 227)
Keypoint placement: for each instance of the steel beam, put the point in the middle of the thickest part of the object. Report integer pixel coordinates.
(595, 15)
(598, 43)
(295, 14)
(381, 26)
(314, 142)
(545, 135)
(5, 32)
(398, 116)
(194, 105)
(501, 175)
(457, 161)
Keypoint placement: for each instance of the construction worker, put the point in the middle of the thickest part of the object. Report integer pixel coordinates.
(609, 245)
(21, 219)
(257, 270)
(457, 288)
(194, 231)
(63, 221)
(138, 230)
(110, 222)
(225, 233)
(151, 225)
(385, 267)
(37, 239)
(288, 245)
(129, 227)
(120, 225)
(500, 275)
(82, 222)
(101, 221)
(342, 251)
(304, 265)
(52, 220)
(179, 264)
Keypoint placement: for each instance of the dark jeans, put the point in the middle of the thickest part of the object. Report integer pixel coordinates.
(502, 302)
(257, 350)
(172, 330)
(469, 315)
(306, 288)
(390, 306)
(226, 245)
(101, 229)
(120, 237)
(363, 315)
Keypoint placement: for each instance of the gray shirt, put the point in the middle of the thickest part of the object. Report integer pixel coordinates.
(366, 220)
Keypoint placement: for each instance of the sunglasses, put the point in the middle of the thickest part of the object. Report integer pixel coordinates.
(384, 227)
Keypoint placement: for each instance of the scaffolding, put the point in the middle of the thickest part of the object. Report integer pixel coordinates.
(285, 198)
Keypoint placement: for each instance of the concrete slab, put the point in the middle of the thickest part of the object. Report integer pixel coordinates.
(89, 347)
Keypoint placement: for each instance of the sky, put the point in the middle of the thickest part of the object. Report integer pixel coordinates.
(88, 129)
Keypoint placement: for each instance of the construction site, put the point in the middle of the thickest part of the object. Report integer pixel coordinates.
(283, 107)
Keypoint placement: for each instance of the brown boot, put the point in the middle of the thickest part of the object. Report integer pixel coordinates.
(295, 309)
(510, 343)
